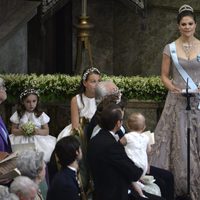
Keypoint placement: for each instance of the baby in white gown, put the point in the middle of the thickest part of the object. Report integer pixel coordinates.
(137, 145)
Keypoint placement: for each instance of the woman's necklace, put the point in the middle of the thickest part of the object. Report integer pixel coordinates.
(187, 47)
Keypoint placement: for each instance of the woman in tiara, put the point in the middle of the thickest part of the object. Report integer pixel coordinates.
(182, 58)
(30, 126)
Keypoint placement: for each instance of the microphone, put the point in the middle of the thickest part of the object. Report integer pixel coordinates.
(188, 95)
(187, 86)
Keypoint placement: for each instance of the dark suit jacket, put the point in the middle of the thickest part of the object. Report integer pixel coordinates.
(111, 168)
(93, 123)
(5, 145)
(64, 186)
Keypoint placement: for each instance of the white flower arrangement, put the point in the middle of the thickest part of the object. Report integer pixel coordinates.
(28, 128)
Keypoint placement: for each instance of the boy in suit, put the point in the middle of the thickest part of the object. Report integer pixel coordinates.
(64, 185)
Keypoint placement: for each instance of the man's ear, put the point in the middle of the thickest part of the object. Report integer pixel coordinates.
(20, 195)
(119, 123)
(77, 152)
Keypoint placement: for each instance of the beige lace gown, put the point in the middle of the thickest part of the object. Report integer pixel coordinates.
(170, 149)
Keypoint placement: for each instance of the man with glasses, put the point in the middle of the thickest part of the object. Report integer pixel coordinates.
(106, 92)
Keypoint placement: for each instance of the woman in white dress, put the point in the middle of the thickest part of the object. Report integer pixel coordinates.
(83, 105)
(30, 126)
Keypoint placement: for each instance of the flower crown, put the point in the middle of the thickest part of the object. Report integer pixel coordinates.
(28, 91)
(185, 7)
(88, 71)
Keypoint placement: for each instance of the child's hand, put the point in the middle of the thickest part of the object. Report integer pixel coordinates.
(21, 130)
(36, 132)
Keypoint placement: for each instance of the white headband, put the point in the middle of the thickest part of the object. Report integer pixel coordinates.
(88, 71)
(29, 91)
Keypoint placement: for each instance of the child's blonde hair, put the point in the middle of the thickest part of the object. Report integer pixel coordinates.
(136, 122)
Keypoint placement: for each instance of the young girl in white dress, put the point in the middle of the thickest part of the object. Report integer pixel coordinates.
(137, 145)
(30, 125)
(83, 105)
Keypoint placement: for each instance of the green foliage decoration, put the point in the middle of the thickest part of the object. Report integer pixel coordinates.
(141, 88)
(60, 87)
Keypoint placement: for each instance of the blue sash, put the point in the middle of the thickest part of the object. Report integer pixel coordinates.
(180, 69)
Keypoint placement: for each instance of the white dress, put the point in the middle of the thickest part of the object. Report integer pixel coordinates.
(87, 110)
(136, 149)
(42, 143)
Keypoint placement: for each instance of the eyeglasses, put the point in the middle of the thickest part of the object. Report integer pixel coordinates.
(3, 88)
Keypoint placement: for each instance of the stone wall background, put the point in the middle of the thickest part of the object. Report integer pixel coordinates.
(14, 16)
(125, 43)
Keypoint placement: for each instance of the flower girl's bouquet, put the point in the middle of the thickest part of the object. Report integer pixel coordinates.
(28, 128)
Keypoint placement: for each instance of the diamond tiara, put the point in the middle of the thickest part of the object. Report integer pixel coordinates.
(185, 7)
